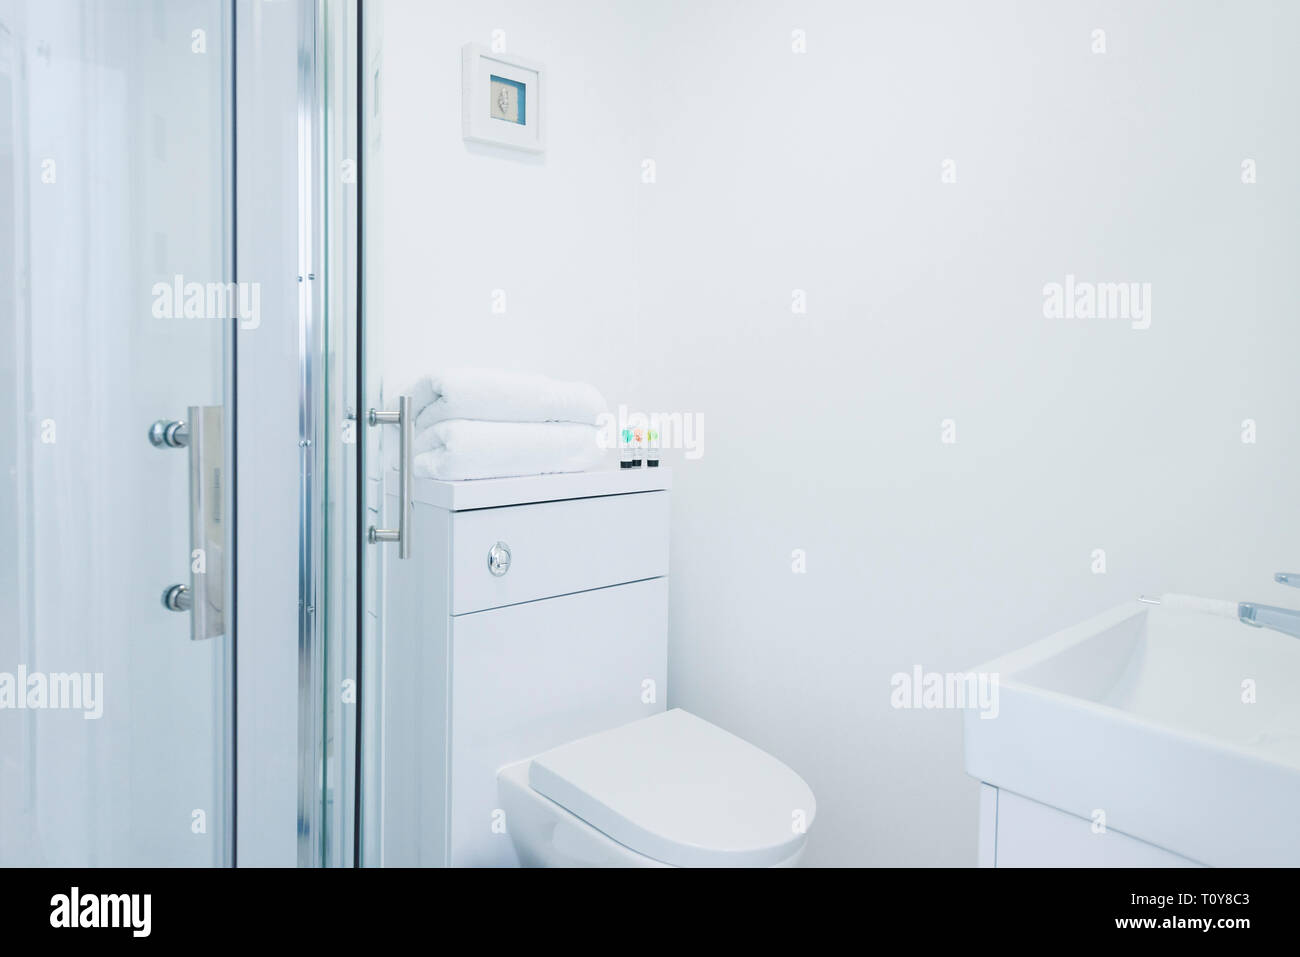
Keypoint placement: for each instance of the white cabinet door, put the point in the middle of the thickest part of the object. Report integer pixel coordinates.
(1030, 834)
(584, 663)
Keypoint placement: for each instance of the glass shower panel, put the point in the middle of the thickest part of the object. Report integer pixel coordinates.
(115, 314)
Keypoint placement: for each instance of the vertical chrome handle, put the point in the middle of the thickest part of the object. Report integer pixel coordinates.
(204, 596)
(405, 423)
(207, 522)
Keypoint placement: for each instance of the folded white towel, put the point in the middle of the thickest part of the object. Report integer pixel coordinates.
(457, 449)
(499, 396)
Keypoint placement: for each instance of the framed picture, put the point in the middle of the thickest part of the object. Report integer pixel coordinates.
(502, 99)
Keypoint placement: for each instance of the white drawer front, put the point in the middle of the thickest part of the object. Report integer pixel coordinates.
(557, 548)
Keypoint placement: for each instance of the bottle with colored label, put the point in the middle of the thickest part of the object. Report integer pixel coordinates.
(625, 449)
(652, 448)
(638, 446)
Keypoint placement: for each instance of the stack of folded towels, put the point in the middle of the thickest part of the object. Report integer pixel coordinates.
(480, 423)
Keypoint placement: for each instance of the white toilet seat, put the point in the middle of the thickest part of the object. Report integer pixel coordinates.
(670, 789)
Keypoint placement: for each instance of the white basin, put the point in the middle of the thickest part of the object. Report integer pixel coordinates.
(1139, 712)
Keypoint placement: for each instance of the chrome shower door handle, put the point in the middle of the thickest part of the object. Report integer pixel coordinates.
(205, 596)
(207, 522)
(405, 423)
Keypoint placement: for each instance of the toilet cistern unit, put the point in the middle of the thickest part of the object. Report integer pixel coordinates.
(523, 722)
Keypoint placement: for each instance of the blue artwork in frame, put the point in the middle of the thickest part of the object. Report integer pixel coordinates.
(507, 100)
(516, 99)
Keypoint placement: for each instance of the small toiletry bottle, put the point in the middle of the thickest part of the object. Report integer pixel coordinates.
(625, 449)
(638, 444)
(651, 449)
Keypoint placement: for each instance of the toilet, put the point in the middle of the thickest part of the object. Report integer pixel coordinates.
(526, 721)
(670, 790)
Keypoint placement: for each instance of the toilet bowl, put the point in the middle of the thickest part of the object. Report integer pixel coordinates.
(670, 790)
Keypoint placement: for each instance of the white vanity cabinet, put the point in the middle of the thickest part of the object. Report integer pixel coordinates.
(531, 612)
(1015, 831)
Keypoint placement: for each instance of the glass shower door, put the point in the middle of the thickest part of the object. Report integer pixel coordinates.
(117, 319)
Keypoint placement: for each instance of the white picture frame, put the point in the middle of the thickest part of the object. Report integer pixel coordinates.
(503, 99)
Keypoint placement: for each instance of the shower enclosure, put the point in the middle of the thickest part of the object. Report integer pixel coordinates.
(177, 487)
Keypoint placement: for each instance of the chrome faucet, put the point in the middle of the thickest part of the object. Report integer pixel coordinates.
(1285, 620)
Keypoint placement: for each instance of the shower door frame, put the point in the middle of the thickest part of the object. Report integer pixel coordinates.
(281, 790)
(330, 430)
(298, 235)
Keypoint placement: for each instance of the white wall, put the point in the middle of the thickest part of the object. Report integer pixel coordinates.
(821, 171)
(555, 232)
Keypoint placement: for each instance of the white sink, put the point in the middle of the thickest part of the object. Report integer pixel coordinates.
(1139, 712)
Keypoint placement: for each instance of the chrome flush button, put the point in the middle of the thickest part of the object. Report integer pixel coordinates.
(499, 559)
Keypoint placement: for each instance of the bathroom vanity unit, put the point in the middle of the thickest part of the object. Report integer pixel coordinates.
(1142, 738)
(532, 612)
